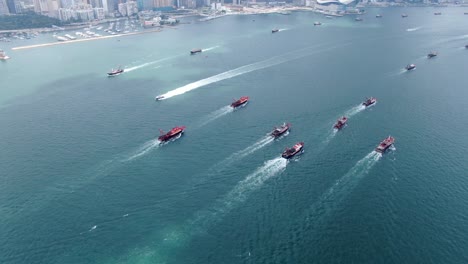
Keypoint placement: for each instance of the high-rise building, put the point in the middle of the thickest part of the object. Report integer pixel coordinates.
(67, 3)
(188, 3)
(4, 8)
(163, 3)
(99, 13)
(12, 6)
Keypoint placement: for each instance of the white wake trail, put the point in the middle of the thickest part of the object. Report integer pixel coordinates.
(148, 64)
(144, 149)
(332, 198)
(264, 141)
(210, 48)
(217, 114)
(245, 69)
(239, 193)
(413, 29)
(356, 109)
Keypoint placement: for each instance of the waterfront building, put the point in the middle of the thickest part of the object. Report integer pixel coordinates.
(190, 4)
(99, 13)
(163, 3)
(128, 9)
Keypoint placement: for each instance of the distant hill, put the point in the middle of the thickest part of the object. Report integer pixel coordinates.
(28, 20)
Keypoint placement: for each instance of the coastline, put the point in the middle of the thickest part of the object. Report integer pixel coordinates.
(82, 40)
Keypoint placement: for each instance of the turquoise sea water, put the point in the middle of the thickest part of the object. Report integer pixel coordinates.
(82, 179)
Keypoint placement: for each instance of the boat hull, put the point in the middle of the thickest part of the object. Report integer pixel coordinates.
(165, 138)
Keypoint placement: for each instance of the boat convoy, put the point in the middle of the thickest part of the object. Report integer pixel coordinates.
(278, 132)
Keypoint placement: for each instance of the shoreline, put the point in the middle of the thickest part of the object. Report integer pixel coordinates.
(83, 40)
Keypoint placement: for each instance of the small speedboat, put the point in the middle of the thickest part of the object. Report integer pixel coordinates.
(410, 67)
(274, 30)
(358, 19)
(432, 54)
(317, 23)
(159, 97)
(378, 16)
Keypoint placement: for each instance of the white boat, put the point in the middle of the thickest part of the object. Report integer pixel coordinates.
(3, 55)
(60, 38)
(70, 37)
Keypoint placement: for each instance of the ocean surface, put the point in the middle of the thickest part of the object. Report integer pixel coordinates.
(84, 180)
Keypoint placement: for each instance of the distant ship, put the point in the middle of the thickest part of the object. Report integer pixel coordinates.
(466, 13)
(432, 54)
(466, 46)
(295, 150)
(195, 51)
(317, 23)
(385, 144)
(438, 13)
(410, 67)
(279, 131)
(159, 97)
(369, 101)
(274, 30)
(378, 16)
(174, 133)
(115, 72)
(340, 123)
(358, 19)
(241, 102)
(3, 55)
(404, 15)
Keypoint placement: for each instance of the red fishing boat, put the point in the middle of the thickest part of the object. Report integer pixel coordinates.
(341, 123)
(240, 102)
(174, 133)
(385, 144)
(295, 150)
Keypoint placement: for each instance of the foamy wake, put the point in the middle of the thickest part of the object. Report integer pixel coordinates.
(246, 69)
(210, 48)
(176, 237)
(413, 29)
(264, 141)
(129, 69)
(217, 114)
(144, 149)
(239, 193)
(351, 112)
(356, 109)
(332, 198)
